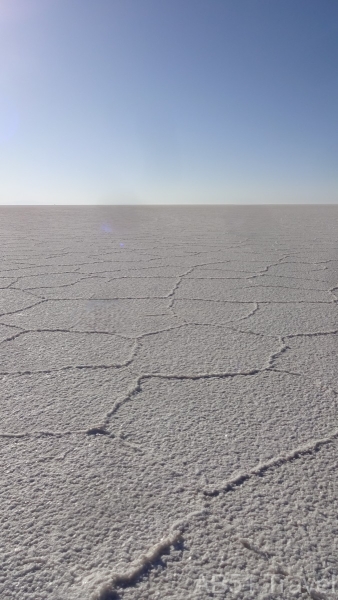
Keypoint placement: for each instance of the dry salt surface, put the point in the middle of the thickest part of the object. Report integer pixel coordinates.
(168, 403)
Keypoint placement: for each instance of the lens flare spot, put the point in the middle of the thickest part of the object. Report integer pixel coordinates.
(106, 228)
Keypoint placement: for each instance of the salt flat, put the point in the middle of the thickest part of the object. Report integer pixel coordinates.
(168, 402)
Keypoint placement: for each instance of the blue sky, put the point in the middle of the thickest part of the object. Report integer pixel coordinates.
(168, 101)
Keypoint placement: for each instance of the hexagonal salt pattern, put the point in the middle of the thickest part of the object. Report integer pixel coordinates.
(168, 403)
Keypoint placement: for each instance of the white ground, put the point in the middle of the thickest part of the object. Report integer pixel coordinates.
(168, 403)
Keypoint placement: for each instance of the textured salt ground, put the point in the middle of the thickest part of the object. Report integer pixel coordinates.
(228, 291)
(201, 312)
(286, 319)
(5, 332)
(221, 426)
(101, 289)
(82, 506)
(168, 402)
(71, 400)
(14, 300)
(261, 279)
(275, 536)
(195, 349)
(53, 350)
(313, 358)
(128, 317)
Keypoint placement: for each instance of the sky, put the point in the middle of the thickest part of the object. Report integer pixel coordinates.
(168, 101)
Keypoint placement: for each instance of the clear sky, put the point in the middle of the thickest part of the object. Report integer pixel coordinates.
(168, 101)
